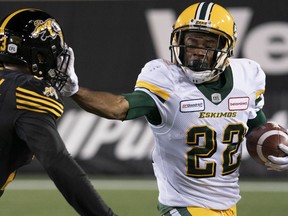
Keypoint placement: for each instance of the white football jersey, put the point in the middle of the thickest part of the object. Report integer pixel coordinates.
(198, 144)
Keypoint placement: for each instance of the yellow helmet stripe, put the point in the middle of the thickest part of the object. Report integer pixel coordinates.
(4, 23)
(204, 10)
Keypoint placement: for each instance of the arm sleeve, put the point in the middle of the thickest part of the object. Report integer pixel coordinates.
(141, 104)
(40, 133)
(257, 121)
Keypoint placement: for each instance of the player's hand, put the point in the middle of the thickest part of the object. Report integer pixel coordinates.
(278, 163)
(71, 86)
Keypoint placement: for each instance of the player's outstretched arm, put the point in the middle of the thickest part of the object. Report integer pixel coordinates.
(103, 104)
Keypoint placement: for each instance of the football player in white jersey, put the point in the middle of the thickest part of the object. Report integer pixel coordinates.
(200, 106)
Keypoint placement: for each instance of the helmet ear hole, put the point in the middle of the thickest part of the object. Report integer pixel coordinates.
(44, 61)
(41, 58)
(54, 50)
(34, 68)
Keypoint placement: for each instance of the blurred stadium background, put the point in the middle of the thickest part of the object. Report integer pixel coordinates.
(112, 40)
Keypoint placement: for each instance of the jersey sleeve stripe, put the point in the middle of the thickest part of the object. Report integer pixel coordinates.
(1, 81)
(32, 101)
(37, 102)
(36, 95)
(259, 93)
(24, 104)
(155, 89)
(31, 109)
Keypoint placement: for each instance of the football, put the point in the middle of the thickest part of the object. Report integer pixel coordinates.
(264, 140)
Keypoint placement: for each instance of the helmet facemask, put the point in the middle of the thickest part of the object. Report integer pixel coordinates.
(201, 68)
(50, 65)
(60, 72)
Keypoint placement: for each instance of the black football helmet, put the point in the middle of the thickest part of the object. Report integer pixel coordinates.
(34, 38)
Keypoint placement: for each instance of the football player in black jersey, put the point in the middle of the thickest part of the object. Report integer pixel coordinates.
(34, 57)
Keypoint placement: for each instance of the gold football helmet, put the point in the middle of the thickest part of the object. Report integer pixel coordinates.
(210, 18)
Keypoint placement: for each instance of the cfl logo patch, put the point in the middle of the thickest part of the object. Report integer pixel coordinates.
(12, 48)
(216, 98)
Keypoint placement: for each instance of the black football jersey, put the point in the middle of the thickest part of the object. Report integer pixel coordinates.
(29, 109)
(23, 95)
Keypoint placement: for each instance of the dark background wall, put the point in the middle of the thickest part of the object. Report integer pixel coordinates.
(112, 40)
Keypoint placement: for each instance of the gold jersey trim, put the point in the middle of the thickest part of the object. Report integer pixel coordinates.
(155, 89)
(259, 93)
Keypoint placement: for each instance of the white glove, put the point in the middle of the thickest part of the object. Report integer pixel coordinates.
(278, 163)
(71, 86)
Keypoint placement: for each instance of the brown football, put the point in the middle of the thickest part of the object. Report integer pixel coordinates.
(264, 140)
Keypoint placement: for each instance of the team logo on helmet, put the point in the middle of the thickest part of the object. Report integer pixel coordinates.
(198, 23)
(47, 29)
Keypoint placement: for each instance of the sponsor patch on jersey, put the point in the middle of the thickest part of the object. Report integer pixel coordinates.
(192, 105)
(238, 103)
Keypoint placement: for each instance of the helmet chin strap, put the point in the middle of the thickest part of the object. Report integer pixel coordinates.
(198, 65)
(199, 77)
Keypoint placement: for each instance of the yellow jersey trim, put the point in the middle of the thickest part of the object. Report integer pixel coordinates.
(155, 89)
(259, 93)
